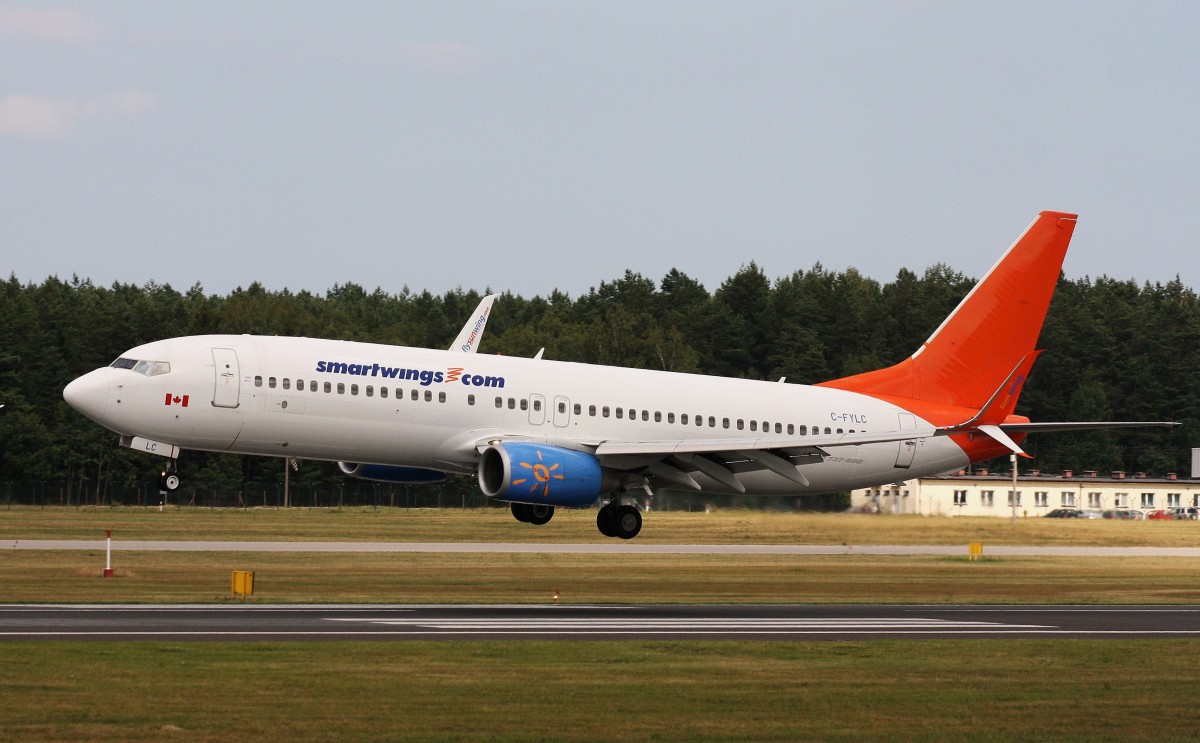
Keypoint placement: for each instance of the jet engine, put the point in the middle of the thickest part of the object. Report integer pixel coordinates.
(389, 473)
(522, 472)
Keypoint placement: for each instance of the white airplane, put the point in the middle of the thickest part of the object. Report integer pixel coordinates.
(542, 434)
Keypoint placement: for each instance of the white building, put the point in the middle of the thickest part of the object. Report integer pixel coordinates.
(985, 493)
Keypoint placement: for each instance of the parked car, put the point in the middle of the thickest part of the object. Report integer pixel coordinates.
(1063, 513)
(1124, 514)
(1091, 513)
(1187, 513)
(1160, 514)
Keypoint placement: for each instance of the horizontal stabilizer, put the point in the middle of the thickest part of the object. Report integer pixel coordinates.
(1001, 437)
(1050, 427)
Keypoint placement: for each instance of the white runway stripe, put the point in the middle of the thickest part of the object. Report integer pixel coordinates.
(731, 624)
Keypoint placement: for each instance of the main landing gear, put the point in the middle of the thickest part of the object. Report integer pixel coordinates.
(617, 520)
(532, 513)
(614, 520)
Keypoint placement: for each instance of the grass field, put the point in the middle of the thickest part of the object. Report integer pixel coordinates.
(962, 690)
(497, 525)
(967, 690)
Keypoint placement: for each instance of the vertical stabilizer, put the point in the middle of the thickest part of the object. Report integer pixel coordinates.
(991, 332)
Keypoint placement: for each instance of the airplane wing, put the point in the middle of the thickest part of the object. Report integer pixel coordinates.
(471, 333)
(675, 460)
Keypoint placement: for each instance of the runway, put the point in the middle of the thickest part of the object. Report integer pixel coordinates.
(522, 622)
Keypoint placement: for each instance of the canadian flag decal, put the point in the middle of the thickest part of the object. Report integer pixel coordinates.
(176, 400)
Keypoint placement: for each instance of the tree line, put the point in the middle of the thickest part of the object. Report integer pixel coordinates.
(1116, 350)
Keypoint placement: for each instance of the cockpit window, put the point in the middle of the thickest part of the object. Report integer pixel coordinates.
(147, 368)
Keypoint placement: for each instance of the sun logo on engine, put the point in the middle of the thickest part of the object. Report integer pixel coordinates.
(542, 475)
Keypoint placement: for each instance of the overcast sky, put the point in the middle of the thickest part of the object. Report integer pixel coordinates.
(534, 146)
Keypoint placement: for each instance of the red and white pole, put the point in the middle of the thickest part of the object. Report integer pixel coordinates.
(108, 571)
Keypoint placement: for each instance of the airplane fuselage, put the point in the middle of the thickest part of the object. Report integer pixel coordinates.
(368, 403)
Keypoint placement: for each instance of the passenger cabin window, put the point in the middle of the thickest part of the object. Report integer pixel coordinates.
(271, 382)
(341, 388)
(287, 383)
(328, 387)
(258, 381)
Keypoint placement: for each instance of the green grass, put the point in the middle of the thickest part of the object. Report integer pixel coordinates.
(37, 576)
(497, 525)
(979, 691)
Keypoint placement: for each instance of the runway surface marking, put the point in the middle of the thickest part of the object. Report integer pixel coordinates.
(448, 622)
(730, 624)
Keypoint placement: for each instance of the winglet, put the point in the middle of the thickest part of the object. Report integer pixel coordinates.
(999, 407)
(469, 337)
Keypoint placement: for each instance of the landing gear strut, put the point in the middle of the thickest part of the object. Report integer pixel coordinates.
(617, 520)
(532, 513)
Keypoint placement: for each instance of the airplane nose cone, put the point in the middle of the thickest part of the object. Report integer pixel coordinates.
(89, 394)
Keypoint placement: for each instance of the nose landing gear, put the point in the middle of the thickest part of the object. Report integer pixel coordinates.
(168, 480)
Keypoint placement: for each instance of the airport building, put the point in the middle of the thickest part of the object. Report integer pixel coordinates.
(990, 493)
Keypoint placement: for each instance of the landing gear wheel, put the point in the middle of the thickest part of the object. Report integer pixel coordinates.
(539, 514)
(606, 521)
(168, 482)
(627, 522)
(532, 513)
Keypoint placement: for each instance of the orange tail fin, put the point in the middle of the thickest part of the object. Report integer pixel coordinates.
(991, 332)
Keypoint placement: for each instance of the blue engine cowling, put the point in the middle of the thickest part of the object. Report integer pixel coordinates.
(393, 474)
(520, 472)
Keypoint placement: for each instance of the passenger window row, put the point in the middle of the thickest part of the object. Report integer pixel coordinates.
(513, 403)
(342, 388)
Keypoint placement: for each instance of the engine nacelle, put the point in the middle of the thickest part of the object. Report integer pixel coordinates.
(521, 472)
(392, 474)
